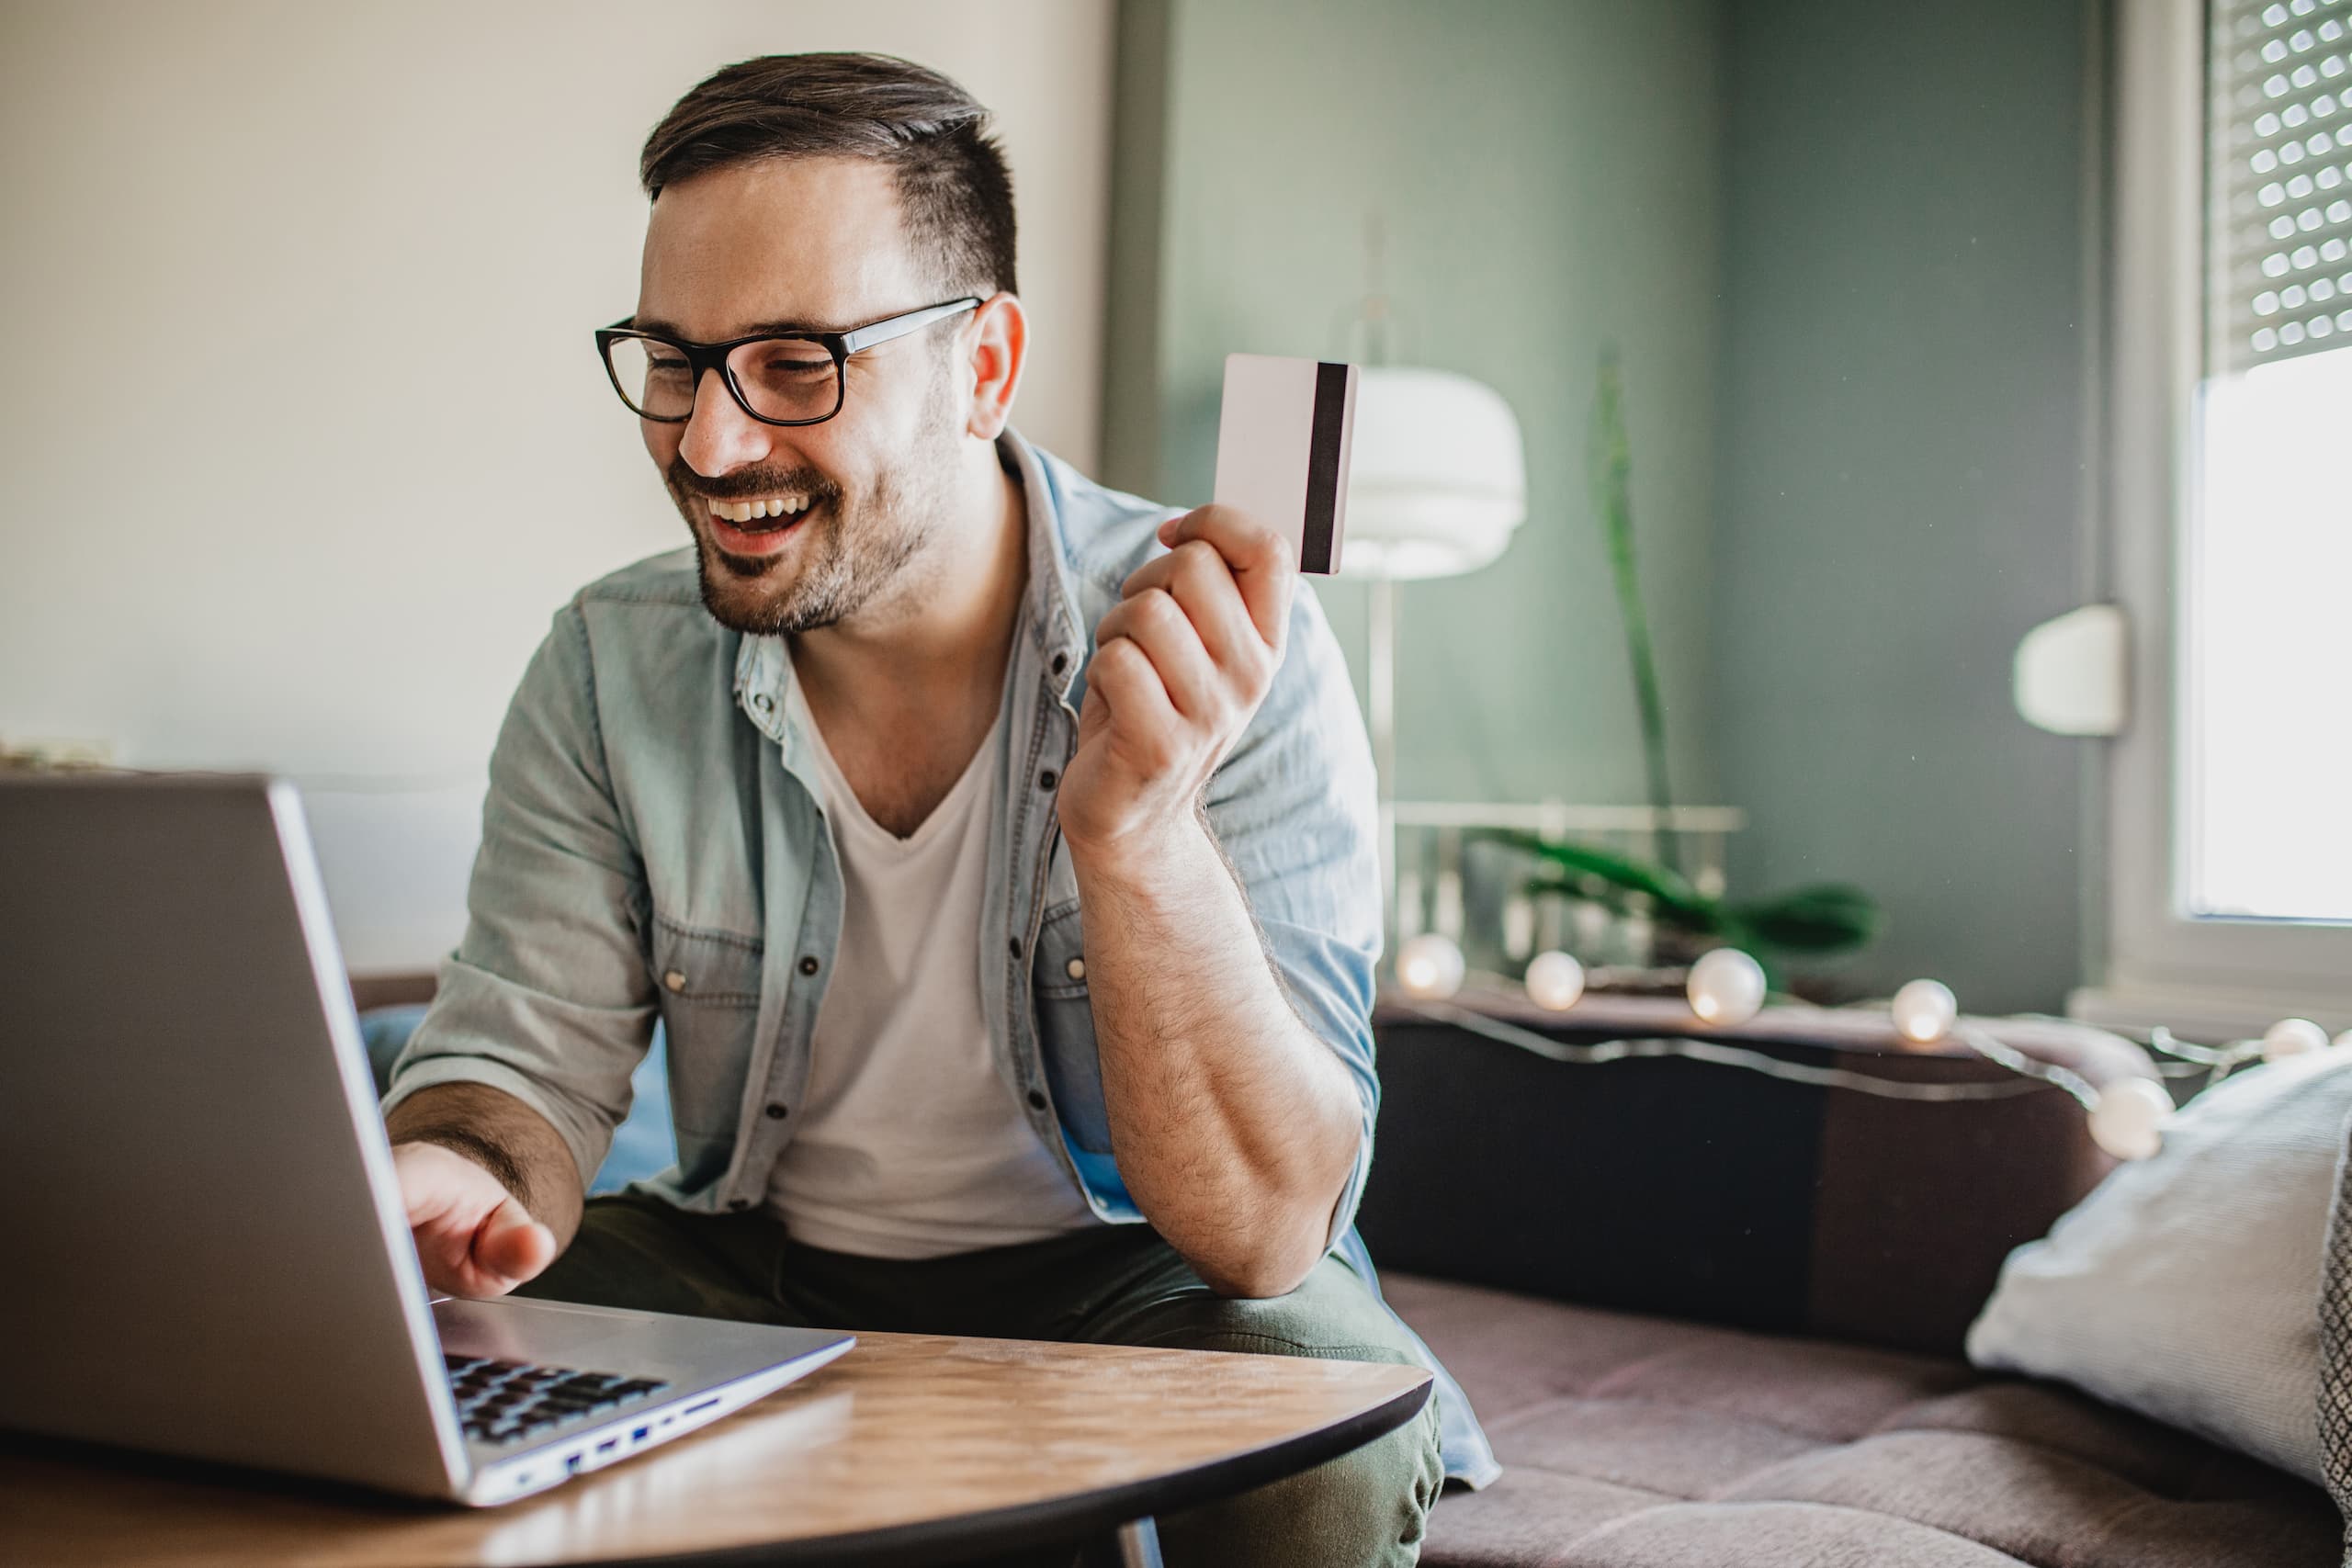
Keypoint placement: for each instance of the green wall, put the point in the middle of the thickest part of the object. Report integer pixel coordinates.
(1902, 467)
(1844, 248)
(1546, 179)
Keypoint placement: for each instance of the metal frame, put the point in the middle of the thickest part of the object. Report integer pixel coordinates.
(2209, 976)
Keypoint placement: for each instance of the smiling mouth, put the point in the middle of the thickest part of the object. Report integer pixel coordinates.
(761, 514)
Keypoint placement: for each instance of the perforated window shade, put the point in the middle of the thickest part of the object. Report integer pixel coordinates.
(2280, 200)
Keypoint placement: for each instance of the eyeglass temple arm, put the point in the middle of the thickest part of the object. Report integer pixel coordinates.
(899, 326)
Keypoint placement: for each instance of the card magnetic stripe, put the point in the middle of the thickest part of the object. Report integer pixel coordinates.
(1323, 467)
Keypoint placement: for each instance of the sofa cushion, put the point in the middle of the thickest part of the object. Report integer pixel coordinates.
(1642, 1442)
(2186, 1287)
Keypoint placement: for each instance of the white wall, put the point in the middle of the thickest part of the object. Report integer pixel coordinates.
(303, 436)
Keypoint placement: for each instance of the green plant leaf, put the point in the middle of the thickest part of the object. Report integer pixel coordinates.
(1824, 918)
(1668, 888)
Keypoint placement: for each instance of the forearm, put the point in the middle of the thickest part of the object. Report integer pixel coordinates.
(1235, 1128)
(505, 1137)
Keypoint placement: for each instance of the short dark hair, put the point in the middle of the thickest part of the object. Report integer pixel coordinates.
(955, 191)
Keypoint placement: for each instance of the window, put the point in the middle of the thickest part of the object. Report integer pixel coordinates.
(2230, 505)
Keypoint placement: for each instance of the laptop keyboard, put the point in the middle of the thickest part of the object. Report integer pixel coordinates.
(505, 1402)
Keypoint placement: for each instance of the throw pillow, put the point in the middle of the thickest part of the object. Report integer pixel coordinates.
(2186, 1287)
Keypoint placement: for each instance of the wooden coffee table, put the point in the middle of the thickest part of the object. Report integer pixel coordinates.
(910, 1449)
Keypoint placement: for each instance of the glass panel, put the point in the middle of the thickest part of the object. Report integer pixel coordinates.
(788, 378)
(653, 378)
(2266, 689)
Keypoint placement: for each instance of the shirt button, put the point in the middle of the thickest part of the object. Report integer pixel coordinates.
(674, 980)
(1036, 1100)
(809, 964)
(1048, 779)
(1075, 969)
(1016, 945)
(764, 702)
(776, 1113)
(1061, 662)
(739, 1204)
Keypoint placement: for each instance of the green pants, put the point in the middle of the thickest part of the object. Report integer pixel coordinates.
(1106, 1285)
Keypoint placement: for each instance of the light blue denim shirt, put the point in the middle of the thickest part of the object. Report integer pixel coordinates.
(652, 847)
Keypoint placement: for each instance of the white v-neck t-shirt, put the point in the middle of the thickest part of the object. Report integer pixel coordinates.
(909, 1143)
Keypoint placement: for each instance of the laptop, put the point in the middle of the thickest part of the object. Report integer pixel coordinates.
(205, 1243)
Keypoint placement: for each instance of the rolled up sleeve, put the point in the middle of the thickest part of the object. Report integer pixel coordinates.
(549, 997)
(1295, 808)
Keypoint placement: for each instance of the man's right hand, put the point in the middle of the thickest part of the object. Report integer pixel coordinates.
(472, 1235)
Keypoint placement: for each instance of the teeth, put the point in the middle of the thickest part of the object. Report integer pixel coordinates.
(773, 506)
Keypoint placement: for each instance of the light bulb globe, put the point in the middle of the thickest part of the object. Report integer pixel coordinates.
(2292, 1037)
(2127, 1119)
(1430, 967)
(1555, 980)
(1923, 1011)
(1726, 987)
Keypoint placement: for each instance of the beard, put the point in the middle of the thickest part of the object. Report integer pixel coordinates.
(852, 547)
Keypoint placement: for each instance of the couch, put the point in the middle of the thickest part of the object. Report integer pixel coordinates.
(1714, 1318)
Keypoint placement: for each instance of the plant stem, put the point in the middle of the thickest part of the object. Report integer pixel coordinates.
(1612, 469)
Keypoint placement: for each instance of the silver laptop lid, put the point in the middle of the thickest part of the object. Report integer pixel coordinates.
(206, 1251)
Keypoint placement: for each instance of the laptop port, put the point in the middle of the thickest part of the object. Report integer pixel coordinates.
(698, 1410)
(572, 1465)
(639, 1436)
(608, 1444)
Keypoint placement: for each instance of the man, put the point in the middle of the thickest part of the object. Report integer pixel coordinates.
(1016, 981)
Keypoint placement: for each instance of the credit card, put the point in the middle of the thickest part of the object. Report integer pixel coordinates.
(1283, 439)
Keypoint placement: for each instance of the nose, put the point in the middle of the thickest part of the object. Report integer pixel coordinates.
(719, 436)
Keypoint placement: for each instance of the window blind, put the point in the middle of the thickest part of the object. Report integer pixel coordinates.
(2280, 200)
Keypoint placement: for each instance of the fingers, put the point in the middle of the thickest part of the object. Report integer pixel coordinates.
(1154, 623)
(1124, 677)
(509, 1248)
(472, 1237)
(1197, 578)
(1261, 560)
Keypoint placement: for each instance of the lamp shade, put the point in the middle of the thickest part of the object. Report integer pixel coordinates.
(1437, 478)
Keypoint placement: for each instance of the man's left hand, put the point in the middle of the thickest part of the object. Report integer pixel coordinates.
(1180, 664)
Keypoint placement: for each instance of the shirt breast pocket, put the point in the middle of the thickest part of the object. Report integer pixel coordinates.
(708, 987)
(1066, 1030)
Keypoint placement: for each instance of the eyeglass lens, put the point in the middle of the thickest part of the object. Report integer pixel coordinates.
(781, 378)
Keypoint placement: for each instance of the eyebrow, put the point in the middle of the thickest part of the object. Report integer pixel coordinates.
(757, 328)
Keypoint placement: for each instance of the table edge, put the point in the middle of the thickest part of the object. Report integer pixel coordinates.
(1060, 1518)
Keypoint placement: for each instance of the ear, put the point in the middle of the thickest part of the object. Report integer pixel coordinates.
(1000, 349)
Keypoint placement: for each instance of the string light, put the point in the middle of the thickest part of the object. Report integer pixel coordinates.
(1555, 980)
(2292, 1037)
(1721, 1054)
(1726, 987)
(1923, 1011)
(1429, 966)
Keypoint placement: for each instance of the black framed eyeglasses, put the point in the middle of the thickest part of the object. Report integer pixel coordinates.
(790, 378)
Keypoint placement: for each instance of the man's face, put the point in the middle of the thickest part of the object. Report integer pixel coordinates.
(804, 243)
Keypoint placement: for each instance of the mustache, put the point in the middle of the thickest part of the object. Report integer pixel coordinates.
(747, 483)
